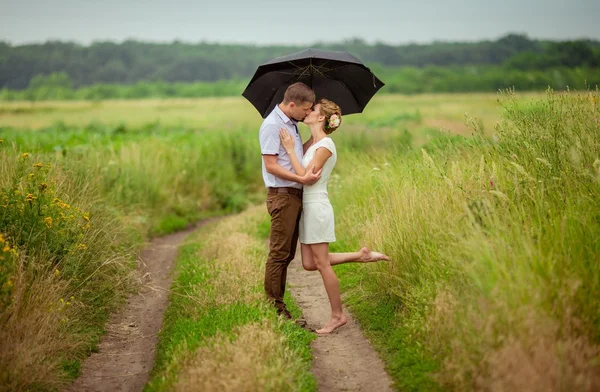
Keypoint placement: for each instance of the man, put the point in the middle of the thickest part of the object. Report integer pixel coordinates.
(284, 187)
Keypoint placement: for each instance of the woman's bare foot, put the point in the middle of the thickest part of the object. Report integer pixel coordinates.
(333, 324)
(368, 256)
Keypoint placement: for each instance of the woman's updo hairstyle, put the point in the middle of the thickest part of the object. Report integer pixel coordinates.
(332, 113)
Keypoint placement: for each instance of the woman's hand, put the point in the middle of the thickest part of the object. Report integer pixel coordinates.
(286, 140)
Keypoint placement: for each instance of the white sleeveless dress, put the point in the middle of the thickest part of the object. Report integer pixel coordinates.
(317, 222)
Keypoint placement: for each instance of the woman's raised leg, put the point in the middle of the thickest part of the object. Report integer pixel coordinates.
(364, 255)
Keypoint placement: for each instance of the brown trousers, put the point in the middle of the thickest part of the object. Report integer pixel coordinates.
(285, 210)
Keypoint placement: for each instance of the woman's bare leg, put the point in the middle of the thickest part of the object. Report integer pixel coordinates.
(320, 254)
(308, 261)
(364, 255)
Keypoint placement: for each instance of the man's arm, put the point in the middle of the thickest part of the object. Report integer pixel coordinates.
(277, 170)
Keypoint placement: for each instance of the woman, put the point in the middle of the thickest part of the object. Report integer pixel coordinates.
(317, 223)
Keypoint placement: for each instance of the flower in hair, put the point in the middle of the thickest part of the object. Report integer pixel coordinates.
(334, 121)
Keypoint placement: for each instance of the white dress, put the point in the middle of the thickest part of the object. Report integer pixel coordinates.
(317, 222)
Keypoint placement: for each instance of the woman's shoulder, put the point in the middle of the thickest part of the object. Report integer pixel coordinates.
(327, 143)
(326, 140)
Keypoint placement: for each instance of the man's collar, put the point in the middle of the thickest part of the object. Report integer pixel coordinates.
(283, 116)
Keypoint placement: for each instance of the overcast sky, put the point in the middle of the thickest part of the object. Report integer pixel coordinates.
(295, 22)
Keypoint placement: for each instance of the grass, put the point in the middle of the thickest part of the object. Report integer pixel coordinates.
(494, 237)
(72, 227)
(234, 113)
(494, 243)
(218, 332)
(62, 270)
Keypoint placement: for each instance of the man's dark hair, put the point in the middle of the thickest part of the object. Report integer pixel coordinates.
(298, 93)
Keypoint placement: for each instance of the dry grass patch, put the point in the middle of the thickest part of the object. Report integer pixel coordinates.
(34, 336)
(255, 359)
(235, 263)
(542, 362)
(518, 349)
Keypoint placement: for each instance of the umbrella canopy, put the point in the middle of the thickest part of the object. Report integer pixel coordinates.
(337, 76)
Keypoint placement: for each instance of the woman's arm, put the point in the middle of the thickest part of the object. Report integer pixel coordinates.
(321, 156)
(316, 164)
(318, 161)
(274, 168)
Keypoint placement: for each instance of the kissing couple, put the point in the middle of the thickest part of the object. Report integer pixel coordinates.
(296, 176)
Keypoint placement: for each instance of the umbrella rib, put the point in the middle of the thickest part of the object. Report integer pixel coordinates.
(320, 69)
(304, 71)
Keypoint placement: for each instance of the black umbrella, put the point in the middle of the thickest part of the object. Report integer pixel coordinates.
(337, 76)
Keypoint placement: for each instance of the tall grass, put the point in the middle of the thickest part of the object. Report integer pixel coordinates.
(69, 261)
(495, 244)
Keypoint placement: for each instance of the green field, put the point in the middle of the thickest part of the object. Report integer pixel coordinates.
(489, 206)
(439, 110)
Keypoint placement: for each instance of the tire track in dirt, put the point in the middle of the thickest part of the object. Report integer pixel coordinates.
(126, 353)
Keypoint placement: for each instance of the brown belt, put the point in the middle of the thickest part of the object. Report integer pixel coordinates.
(288, 190)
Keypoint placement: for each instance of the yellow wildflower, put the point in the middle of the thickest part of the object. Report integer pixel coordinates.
(30, 197)
(82, 246)
(31, 175)
(6, 248)
(9, 284)
(25, 155)
(86, 216)
(1, 141)
(57, 273)
(43, 186)
(1, 238)
(38, 165)
(48, 221)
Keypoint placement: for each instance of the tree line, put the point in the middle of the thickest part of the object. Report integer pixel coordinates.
(406, 80)
(140, 63)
